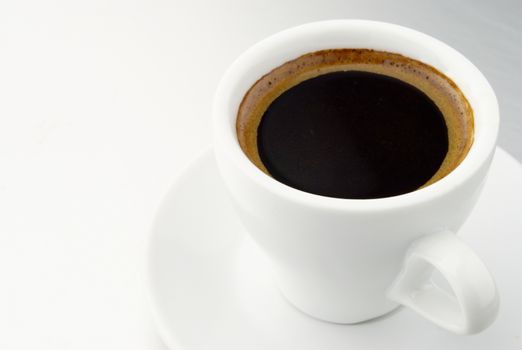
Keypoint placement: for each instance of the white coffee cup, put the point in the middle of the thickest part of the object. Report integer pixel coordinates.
(347, 261)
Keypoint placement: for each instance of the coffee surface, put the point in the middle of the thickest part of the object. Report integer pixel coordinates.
(354, 135)
(355, 123)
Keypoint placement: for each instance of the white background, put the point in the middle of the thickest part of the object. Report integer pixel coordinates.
(103, 102)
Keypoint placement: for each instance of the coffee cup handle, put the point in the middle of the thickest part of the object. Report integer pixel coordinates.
(471, 302)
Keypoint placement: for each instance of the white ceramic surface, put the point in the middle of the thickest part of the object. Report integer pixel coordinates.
(211, 287)
(336, 259)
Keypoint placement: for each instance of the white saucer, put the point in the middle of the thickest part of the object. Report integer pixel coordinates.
(211, 287)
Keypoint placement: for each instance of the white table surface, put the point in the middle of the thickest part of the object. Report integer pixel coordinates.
(103, 102)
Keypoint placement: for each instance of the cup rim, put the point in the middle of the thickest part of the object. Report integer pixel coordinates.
(484, 104)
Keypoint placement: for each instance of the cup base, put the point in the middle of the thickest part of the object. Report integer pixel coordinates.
(321, 314)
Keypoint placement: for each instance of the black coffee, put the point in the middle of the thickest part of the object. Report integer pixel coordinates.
(355, 124)
(353, 135)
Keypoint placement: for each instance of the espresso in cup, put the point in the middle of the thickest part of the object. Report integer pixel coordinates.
(355, 124)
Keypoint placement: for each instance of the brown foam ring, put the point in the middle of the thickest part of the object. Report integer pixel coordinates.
(457, 112)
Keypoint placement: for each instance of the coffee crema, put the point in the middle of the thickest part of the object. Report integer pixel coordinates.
(355, 123)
